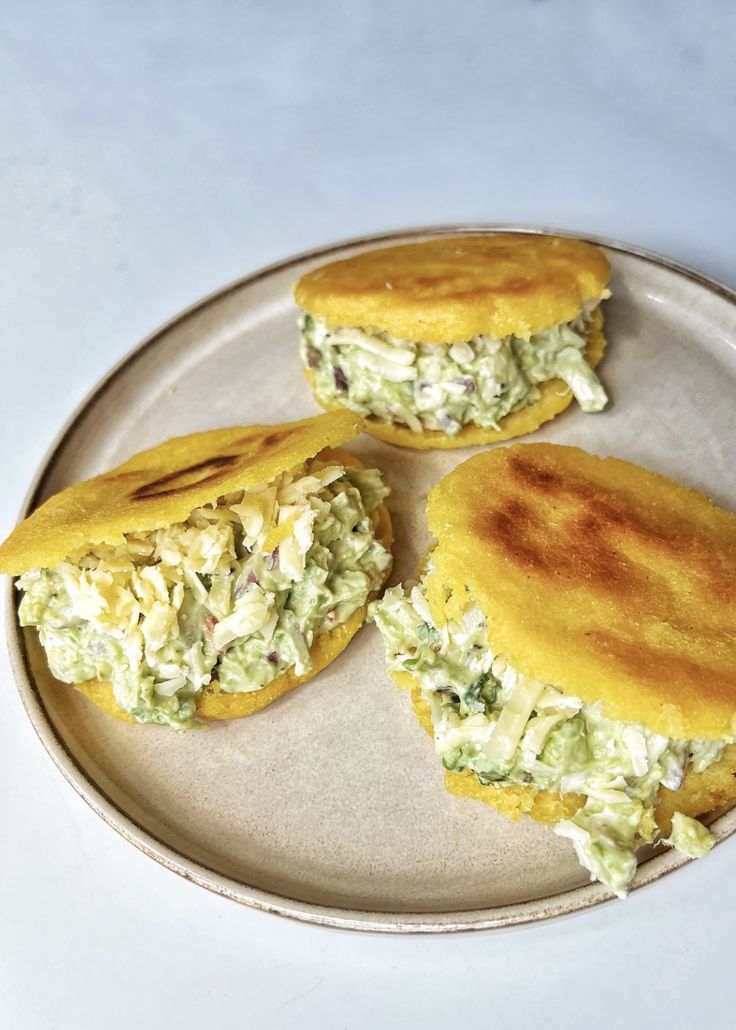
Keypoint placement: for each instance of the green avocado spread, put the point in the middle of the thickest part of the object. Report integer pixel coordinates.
(434, 387)
(509, 729)
(237, 593)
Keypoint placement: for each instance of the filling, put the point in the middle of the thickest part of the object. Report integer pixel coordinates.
(237, 593)
(445, 387)
(508, 729)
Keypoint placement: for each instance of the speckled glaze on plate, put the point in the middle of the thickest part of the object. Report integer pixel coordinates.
(328, 806)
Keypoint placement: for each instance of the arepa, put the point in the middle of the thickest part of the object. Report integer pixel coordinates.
(571, 646)
(206, 577)
(459, 340)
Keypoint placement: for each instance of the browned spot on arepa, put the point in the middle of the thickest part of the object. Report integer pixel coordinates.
(456, 287)
(600, 577)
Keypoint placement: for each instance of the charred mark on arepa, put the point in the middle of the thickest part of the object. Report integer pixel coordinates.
(511, 526)
(657, 662)
(248, 447)
(185, 479)
(518, 284)
(558, 544)
(604, 515)
(429, 282)
(255, 442)
(593, 511)
(515, 517)
(531, 474)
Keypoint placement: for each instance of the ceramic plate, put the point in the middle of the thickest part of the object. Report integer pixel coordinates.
(328, 806)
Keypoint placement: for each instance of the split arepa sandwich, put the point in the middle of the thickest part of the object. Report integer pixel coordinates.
(206, 577)
(457, 341)
(571, 646)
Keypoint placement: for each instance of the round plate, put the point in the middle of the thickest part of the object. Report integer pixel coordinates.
(329, 806)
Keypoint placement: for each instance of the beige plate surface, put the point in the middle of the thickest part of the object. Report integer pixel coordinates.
(328, 806)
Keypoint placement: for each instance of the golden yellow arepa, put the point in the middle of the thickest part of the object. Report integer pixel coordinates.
(457, 287)
(161, 487)
(216, 704)
(570, 645)
(610, 581)
(457, 341)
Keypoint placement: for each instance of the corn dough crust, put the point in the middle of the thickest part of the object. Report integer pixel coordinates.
(453, 288)
(699, 794)
(612, 582)
(164, 485)
(216, 704)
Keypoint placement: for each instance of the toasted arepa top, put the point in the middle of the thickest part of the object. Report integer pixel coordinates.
(607, 580)
(456, 287)
(161, 486)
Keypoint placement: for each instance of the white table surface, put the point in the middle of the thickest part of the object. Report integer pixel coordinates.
(154, 151)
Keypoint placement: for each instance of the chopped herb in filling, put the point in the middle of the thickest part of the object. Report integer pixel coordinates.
(506, 728)
(443, 388)
(237, 593)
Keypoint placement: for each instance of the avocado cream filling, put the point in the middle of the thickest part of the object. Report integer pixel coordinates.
(509, 729)
(445, 387)
(237, 593)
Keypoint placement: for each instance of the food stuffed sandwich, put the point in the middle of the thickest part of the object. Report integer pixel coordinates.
(459, 340)
(206, 577)
(571, 646)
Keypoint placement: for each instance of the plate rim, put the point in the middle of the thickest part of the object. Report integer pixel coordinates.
(522, 913)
